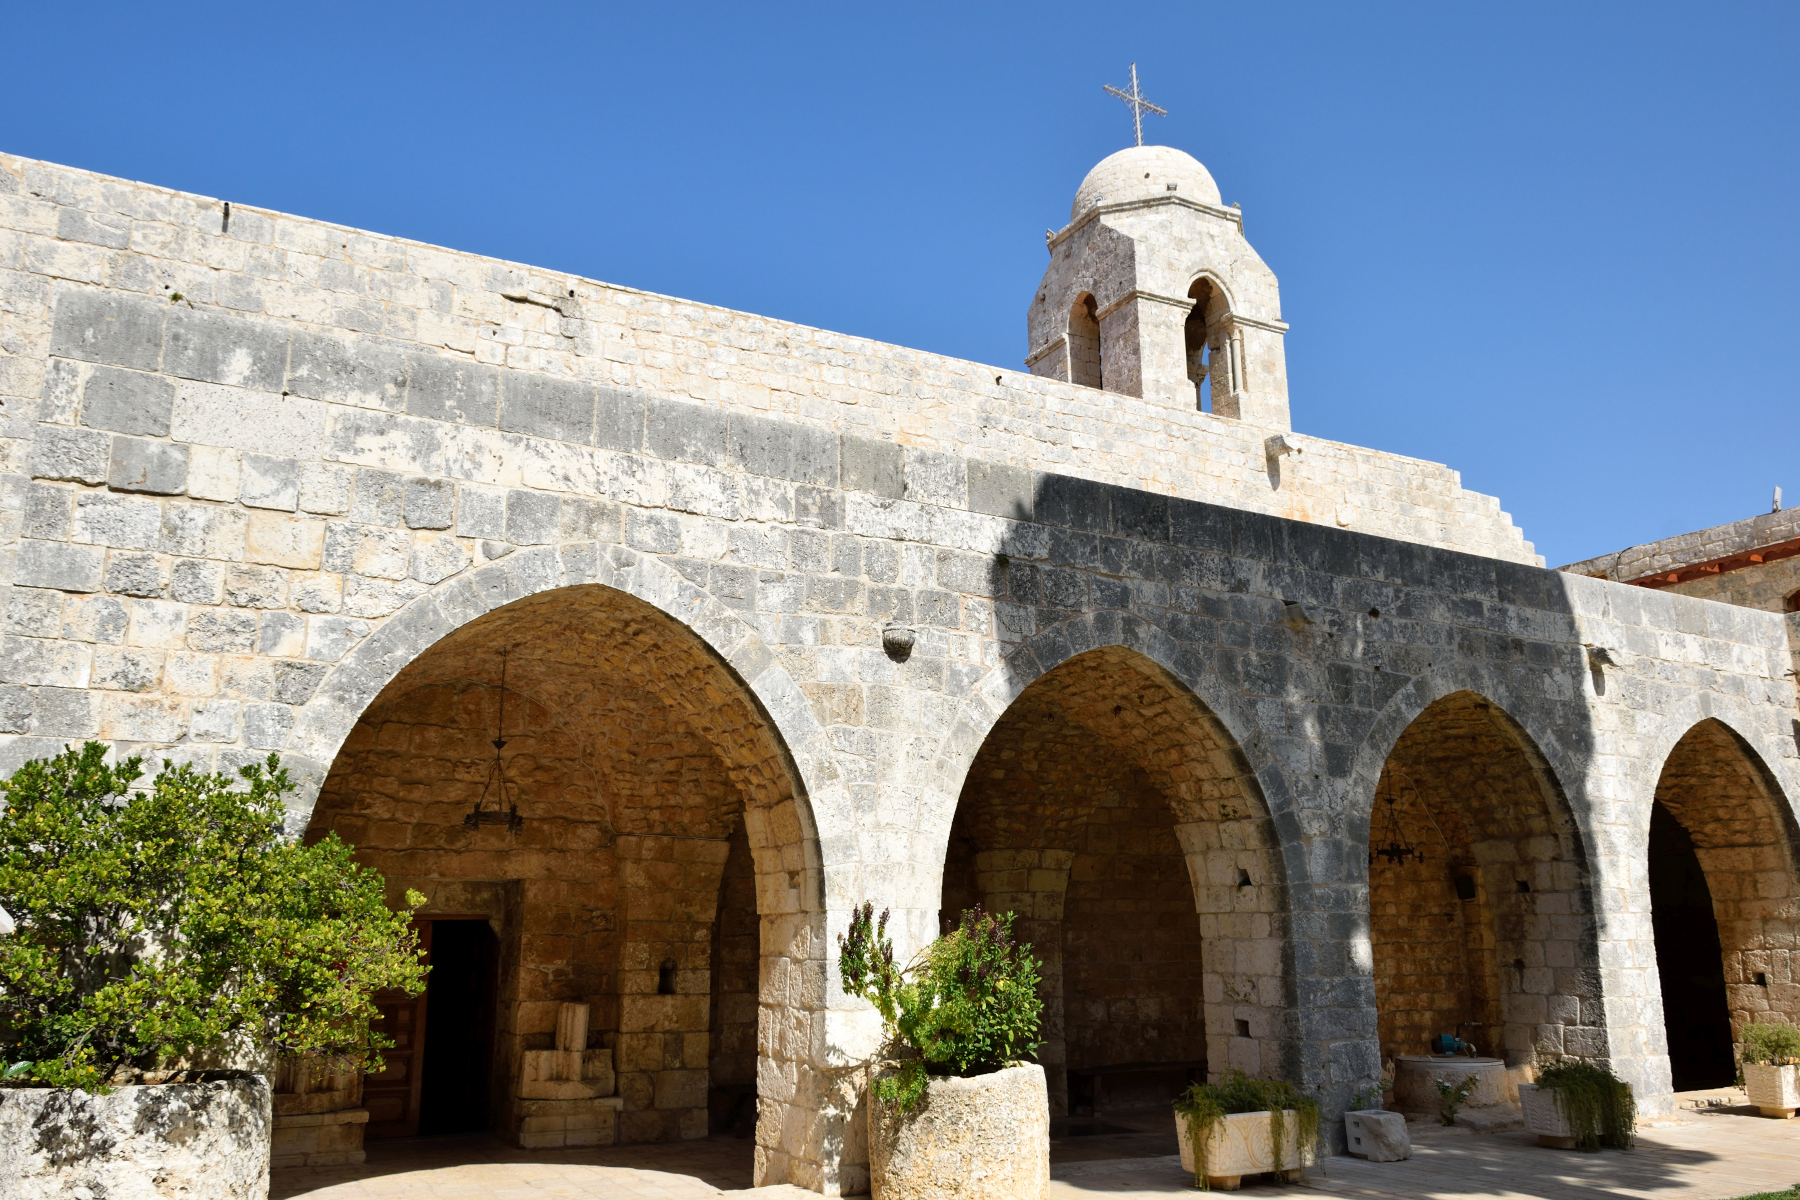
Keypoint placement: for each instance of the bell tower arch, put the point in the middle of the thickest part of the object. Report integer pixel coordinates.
(1153, 260)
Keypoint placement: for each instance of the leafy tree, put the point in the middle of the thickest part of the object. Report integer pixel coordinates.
(967, 1005)
(156, 925)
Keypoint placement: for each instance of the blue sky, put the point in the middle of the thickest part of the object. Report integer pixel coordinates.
(1553, 246)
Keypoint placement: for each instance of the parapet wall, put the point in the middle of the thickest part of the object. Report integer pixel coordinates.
(396, 308)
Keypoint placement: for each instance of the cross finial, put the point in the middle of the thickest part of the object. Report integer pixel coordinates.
(1138, 104)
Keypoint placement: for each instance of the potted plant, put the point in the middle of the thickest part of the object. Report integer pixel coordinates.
(956, 1112)
(158, 931)
(1770, 1060)
(1242, 1126)
(1578, 1105)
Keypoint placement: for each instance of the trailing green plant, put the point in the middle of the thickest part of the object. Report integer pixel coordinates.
(1770, 1045)
(156, 926)
(1206, 1105)
(1598, 1105)
(1452, 1096)
(966, 1005)
(1369, 1099)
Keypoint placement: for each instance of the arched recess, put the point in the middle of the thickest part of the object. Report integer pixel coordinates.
(1480, 907)
(1111, 810)
(667, 747)
(1210, 347)
(1085, 365)
(1725, 902)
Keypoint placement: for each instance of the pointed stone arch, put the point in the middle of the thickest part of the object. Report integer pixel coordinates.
(1494, 933)
(1723, 877)
(577, 620)
(1094, 761)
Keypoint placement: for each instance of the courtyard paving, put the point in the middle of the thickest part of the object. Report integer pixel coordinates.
(1708, 1155)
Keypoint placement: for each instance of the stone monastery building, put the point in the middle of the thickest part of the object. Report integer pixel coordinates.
(1289, 754)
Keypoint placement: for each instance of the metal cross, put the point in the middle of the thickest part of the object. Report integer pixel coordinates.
(1138, 104)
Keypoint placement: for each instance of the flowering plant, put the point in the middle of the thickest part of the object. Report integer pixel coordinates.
(966, 1005)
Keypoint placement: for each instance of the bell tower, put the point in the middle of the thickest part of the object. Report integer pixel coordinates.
(1153, 292)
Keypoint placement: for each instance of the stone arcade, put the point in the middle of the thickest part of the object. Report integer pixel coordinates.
(273, 484)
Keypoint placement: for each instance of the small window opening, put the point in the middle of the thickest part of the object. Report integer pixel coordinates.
(1199, 364)
(1793, 602)
(1085, 366)
(1465, 887)
(1521, 886)
(1243, 1027)
(1762, 980)
(665, 978)
(1244, 878)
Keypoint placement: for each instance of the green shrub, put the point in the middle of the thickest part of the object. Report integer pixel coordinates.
(1770, 1045)
(966, 1005)
(1598, 1104)
(1205, 1105)
(156, 926)
(1452, 1096)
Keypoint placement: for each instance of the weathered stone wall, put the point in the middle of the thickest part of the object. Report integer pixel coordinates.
(1770, 587)
(692, 512)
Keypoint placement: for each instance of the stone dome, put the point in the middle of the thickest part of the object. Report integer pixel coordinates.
(1141, 173)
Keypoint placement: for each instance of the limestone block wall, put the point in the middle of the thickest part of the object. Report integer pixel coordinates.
(423, 324)
(702, 550)
(1771, 587)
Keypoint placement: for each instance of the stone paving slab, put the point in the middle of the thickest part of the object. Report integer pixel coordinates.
(1709, 1156)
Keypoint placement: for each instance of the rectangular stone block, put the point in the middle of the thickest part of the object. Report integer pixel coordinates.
(781, 450)
(685, 432)
(366, 372)
(619, 420)
(870, 466)
(140, 465)
(267, 481)
(75, 455)
(127, 402)
(548, 407)
(453, 389)
(283, 541)
(125, 331)
(59, 565)
(216, 348)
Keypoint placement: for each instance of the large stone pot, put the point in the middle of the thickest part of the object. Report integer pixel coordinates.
(1244, 1144)
(986, 1137)
(206, 1140)
(1775, 1090)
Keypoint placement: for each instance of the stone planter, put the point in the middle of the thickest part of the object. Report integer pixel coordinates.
(986, 1137)
(1241, 1145)
(1774, 1090)
(207, 1140)
(1544, 1116)
(1377, 1136)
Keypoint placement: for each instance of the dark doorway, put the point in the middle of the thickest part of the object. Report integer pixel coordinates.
(459, 1040)
(1688, 958)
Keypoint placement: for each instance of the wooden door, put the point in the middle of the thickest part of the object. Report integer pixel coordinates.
(392, 1097)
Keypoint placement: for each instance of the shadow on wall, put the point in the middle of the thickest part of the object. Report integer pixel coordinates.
(1306, 652)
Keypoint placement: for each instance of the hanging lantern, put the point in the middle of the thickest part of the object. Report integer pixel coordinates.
(1392, 844)
(497, 782)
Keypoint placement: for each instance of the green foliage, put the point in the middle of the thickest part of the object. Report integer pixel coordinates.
(967, 1005)
(1792, 1193)
(1770, 1045)
(153, 926)
(1205, 1105)
(1598, 1104)
(1369, 1099)
(1452, 1097)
